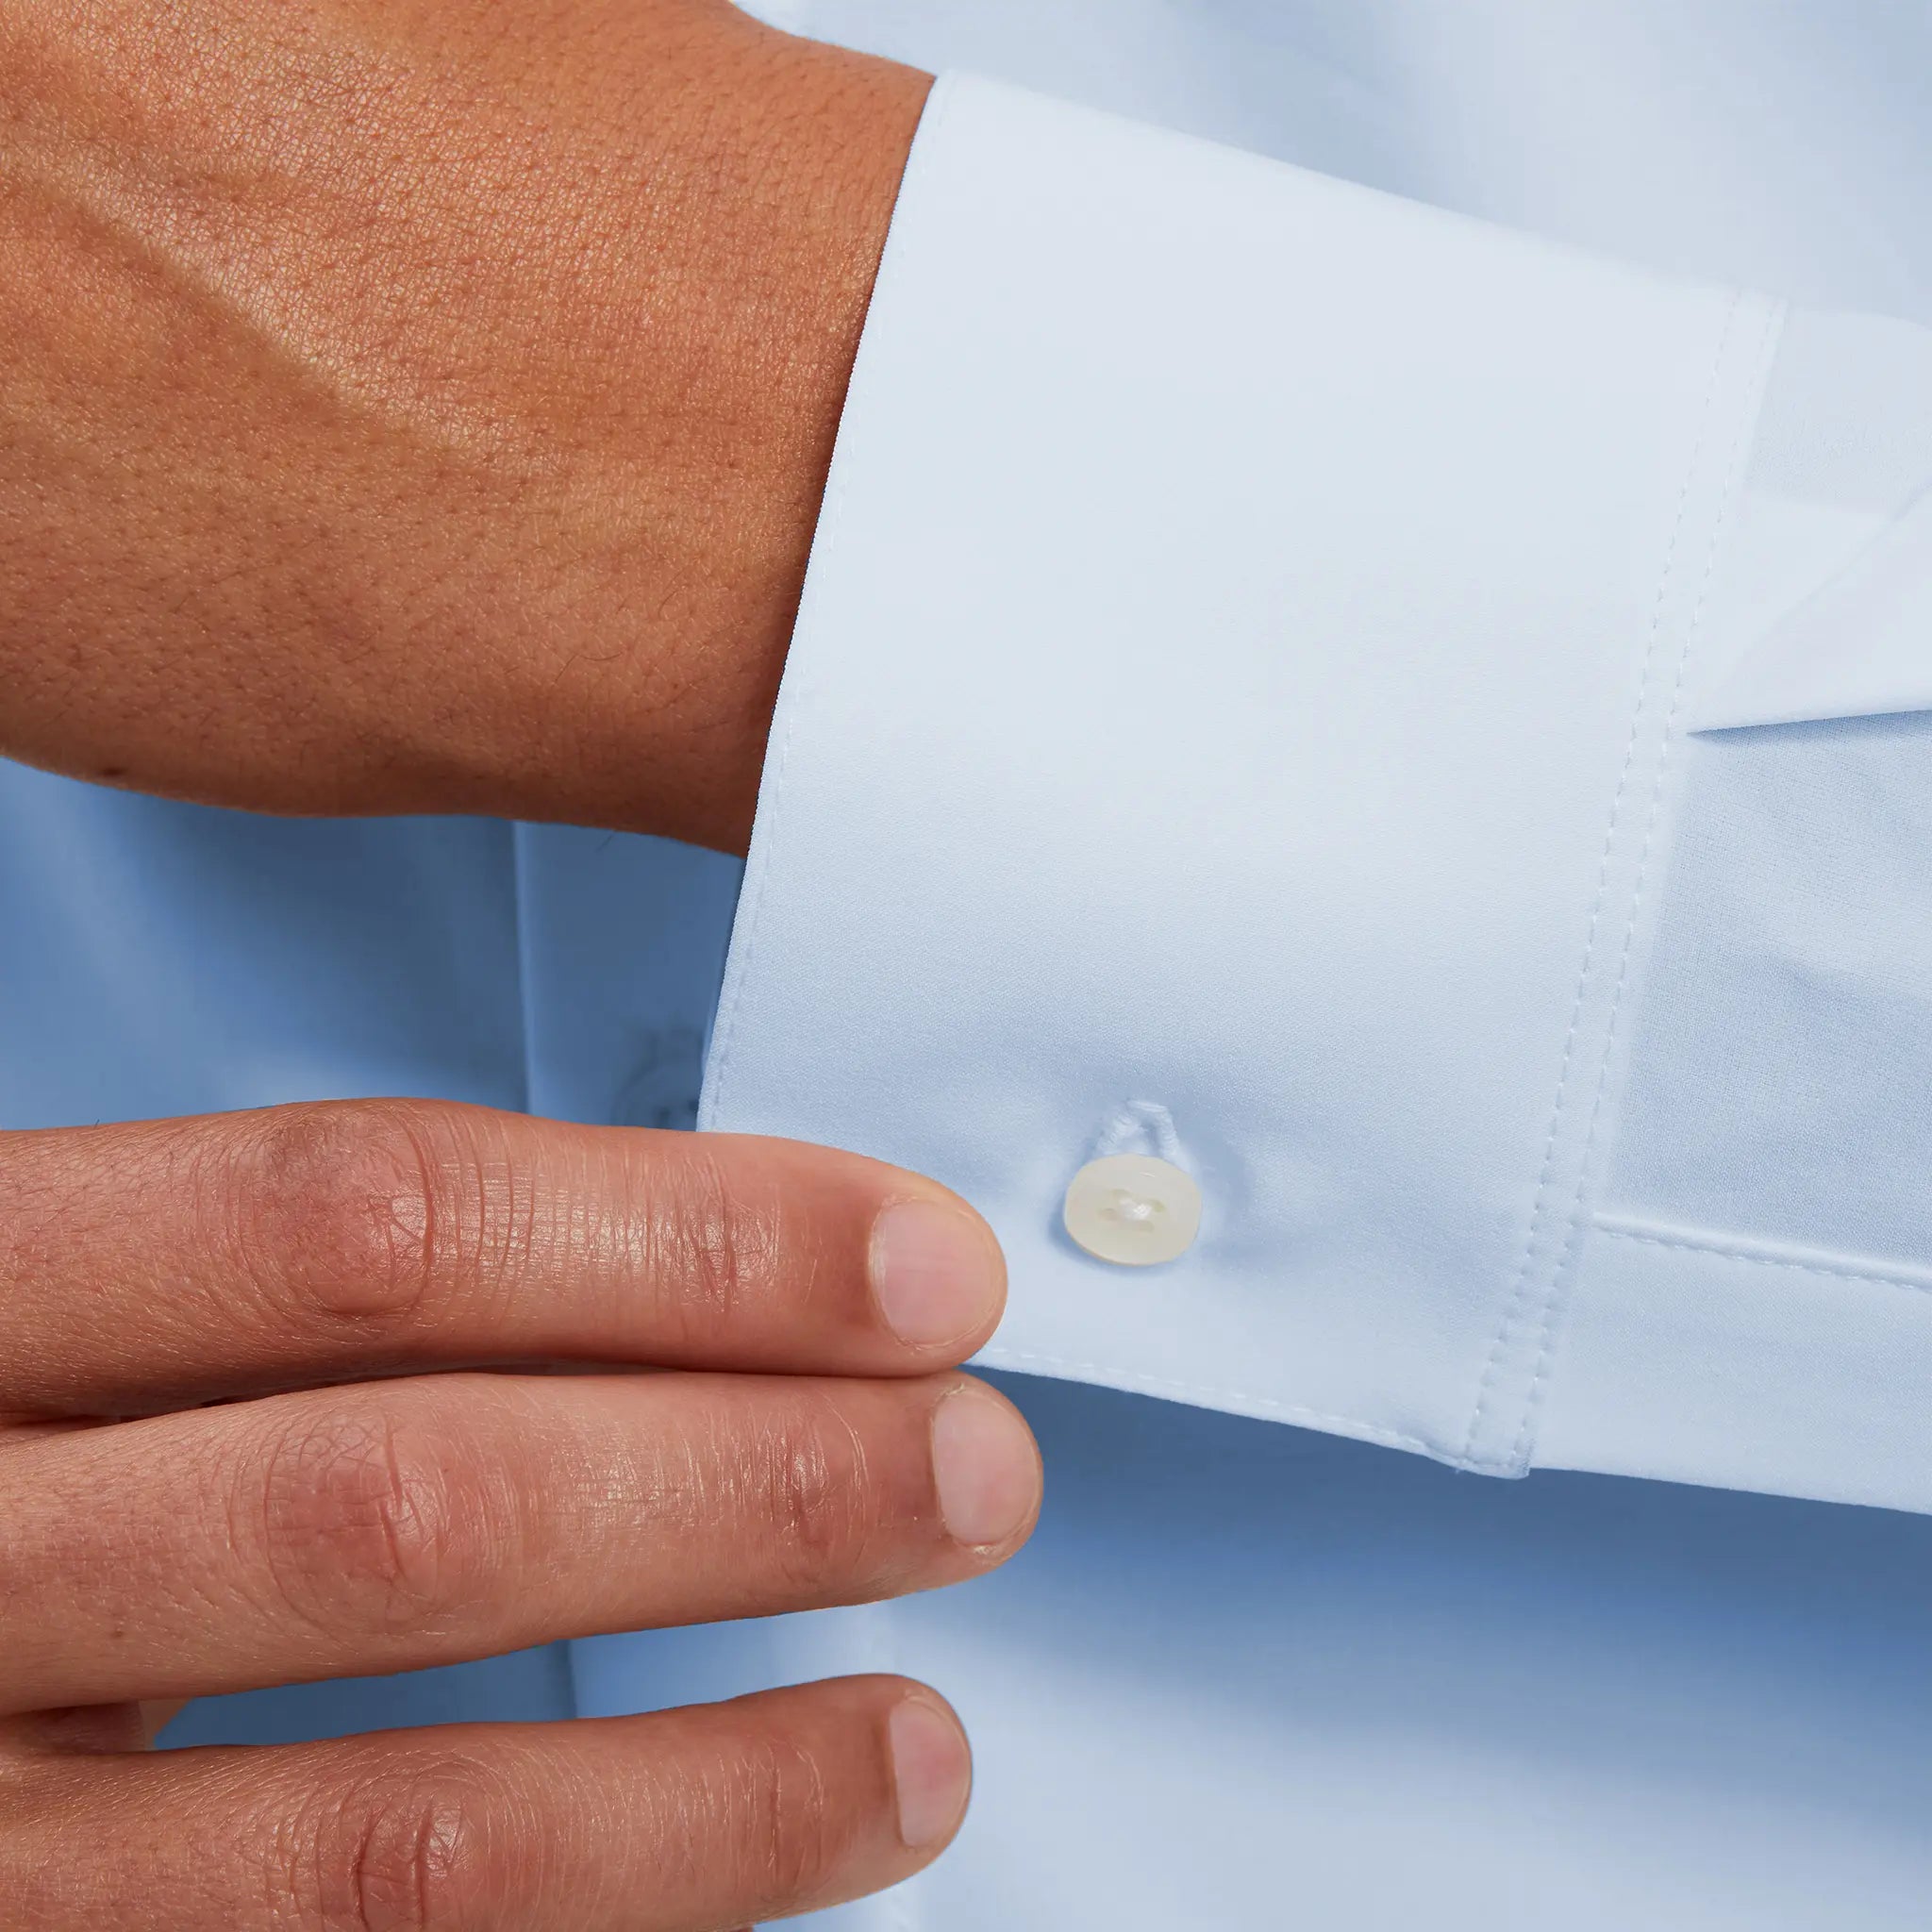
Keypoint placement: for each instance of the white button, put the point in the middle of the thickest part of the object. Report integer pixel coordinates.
(1133, 1209)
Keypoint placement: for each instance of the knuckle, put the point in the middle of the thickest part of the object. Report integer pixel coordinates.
(333, 1209)
(422, 1849)
(718, 1244)
(814, 1512)
(788, 1839)
(369, 1524)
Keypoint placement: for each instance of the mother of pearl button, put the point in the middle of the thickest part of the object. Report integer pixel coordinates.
(1133, 1210)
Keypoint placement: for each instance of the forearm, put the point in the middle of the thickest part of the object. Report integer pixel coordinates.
(403, 413)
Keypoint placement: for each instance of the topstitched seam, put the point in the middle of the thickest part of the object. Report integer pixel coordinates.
(1519, 1285)
(1553, 1303)
(1727, 1252)
(1133, 1380)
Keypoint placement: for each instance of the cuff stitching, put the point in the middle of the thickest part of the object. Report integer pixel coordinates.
(1518, 1295)
(1210, 1395)
(1554, 1295)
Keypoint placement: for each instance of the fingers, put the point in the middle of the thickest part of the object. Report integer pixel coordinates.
(687, 1821)
(159, 1263)
(423, 1521)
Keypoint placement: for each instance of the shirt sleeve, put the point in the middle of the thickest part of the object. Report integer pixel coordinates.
(1242, 714)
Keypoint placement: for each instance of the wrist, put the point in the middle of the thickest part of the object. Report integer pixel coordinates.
(777, 278)
(427, 413)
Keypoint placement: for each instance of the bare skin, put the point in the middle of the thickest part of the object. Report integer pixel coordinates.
(424, 406)
(316, 1331)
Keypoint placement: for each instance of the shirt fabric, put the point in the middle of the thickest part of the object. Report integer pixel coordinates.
(1381, 656)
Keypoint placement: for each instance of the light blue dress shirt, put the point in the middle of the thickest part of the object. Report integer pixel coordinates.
(1401, 668)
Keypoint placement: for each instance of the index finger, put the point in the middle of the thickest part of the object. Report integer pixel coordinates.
(157, 1263)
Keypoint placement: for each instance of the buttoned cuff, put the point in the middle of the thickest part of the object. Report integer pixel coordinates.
(1229, 724)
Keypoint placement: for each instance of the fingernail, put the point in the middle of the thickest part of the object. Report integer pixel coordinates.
(984, 1467)
(934, 1271)
(932, 1769)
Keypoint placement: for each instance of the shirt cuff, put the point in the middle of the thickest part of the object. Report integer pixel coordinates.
(1230, 715)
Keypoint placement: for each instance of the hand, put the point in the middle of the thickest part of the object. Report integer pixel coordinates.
(423, 404)
(805, 1442)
